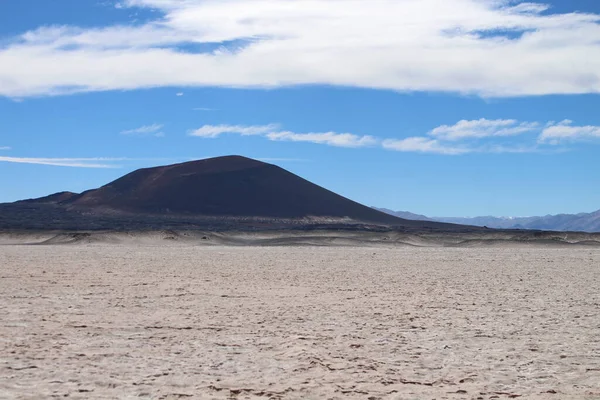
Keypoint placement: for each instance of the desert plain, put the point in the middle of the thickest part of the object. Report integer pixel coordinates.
(168, 320)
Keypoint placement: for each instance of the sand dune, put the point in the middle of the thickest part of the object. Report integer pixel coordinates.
(176, 320)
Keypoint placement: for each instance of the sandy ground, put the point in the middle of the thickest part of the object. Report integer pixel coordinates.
(181, 321)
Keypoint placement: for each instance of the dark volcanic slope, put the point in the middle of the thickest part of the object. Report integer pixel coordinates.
(225, 186)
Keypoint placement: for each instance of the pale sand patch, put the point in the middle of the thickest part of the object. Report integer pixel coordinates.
(108, 321)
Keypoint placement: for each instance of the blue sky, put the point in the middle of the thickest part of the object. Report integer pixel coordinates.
(454, 107)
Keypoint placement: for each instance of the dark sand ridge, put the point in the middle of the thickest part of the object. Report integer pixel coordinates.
(288, 237)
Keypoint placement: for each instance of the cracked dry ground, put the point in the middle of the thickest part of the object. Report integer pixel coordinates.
(166, 322)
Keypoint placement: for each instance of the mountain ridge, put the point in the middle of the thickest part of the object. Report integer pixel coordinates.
(582, 222)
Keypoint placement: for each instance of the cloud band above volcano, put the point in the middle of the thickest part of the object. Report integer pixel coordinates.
(489, 48)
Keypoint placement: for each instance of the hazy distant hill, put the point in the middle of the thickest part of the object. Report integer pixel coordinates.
(584, 222)
(405, 215)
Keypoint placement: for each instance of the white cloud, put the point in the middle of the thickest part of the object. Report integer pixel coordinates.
(423, 145)
(433, 146)
(146, 130)
(444, 138)
(5, 148)
(66, 162)
(483, 128)
(328, 138)
(179, 94)
(86, 162)
(214, 131)
(484, 47)
(514, 149)
(565, 131)
(204, 109)
(464, 137)
(273, 132)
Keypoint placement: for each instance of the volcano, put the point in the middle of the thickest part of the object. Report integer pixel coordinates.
(231, 186)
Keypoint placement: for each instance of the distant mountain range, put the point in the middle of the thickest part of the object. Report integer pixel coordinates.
(584, 222)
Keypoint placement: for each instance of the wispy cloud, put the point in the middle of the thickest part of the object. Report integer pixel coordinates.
(179, 94)
(513, 149)
(327, 138)
(424, 145)
(466, 136)
(5, 148)
(471, 136)
(214, 131)
(489, 48)
(483, 128)
(565, 131)
(204, 109)
(146, 130)
(90, 162)
(274, 133)
(433, 146)
(98, 162)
